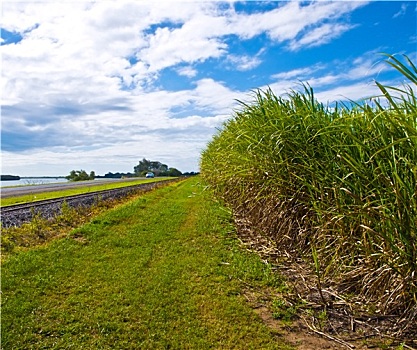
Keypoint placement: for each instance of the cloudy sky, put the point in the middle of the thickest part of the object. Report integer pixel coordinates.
(100, 85)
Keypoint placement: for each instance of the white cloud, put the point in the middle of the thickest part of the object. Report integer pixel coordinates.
(244, 63)
(81, 87)
(299, 73)
(365, 67)
(170, 47)
(177, 143)
(353, 91)
(320, 35)
(211, 95)
(90, 39)
(338, 80)
(187, 71)
(293, 19)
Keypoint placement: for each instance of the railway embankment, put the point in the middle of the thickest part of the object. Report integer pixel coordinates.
(16, 215)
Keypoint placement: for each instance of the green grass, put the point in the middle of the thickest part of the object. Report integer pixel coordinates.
(161, 272)
(89, 187)
(333, 185)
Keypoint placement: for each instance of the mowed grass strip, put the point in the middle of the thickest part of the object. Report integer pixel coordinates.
(89, 186)
(157, 273)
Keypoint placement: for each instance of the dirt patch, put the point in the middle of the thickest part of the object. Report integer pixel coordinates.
(316, 316)
(296, 334)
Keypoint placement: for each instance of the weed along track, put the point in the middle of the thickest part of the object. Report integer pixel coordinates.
(16, 215)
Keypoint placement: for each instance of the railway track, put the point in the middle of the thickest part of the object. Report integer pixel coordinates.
(18, 214)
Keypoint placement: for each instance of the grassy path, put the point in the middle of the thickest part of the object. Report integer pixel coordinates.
(157, 273)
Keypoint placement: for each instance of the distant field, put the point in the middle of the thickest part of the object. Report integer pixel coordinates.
(89, 186)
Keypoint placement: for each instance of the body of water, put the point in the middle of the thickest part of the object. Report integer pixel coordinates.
(32, 181)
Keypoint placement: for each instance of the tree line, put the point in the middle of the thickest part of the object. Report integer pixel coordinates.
(80, 175)
(145, 166)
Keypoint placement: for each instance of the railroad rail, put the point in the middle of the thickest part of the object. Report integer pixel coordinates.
(18, 214)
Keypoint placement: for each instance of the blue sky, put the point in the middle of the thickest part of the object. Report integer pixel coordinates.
(101, 85)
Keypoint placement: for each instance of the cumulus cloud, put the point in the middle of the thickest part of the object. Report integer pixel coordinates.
(81, 81)
(187, 71)
(244, 63)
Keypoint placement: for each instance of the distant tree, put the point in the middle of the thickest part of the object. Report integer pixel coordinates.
(173, 172)
(146, 165)
(80, 175)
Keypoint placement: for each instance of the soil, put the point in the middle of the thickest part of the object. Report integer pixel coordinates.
(297, 334)
(344, 324)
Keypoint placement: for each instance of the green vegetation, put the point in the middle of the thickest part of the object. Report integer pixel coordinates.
(158, 272)
(89, 187)
(155, 167)
(80, 175)
(282, 311)
(333, 185)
